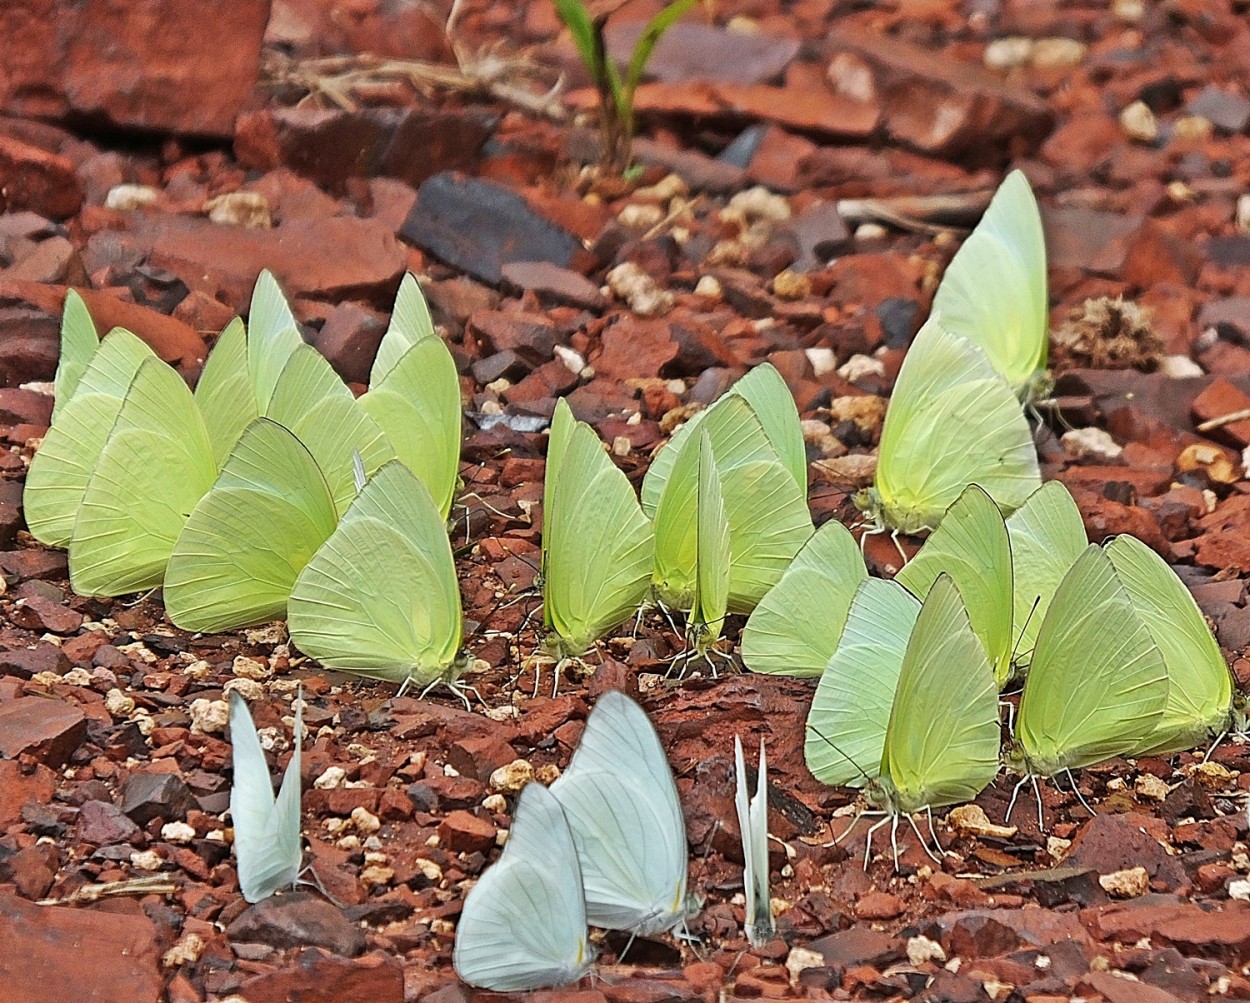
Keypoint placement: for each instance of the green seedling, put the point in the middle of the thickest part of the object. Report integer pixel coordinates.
(616, 93)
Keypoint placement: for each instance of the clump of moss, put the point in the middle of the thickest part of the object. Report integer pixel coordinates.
(1106, 333)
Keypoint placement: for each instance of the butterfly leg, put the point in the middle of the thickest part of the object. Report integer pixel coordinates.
(1215, 745)
(923, 845)
(933, 832)
(1077, 791)
(1015, 793)
(898, 546)
(1011, 715)
(1037, 793)
(868, 843)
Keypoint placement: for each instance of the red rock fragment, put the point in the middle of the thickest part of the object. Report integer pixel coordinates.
(48, 730)
(43, 614)
(1222, 934)
(331, 145)
(142, 64)
(939, 105)
(31, 178)
(879, 905)
(464, 832)
(298, 919)
(223, 261)
(60, 953)
(31, 870)
(21, 785)
(1219, 399)
(320, 977)
(480, 756)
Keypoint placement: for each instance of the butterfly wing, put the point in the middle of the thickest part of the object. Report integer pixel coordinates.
(417, 405)
(1047, 536)
(795, 628)
(712, 552)
(246, 541)
(1098, 684)
(971, 546)
(154, 468)
(952, 421)
(523, 925)
(847, 722)
(621, 803)
(941, 745)
(1200, 690)
(311, 400)
(266, 831)
(63, 465)
(410, 323)
(79, 342)
(994, 290)
(773, 404)
(752, 814)
(597, 544)
(380, 596)
(768, 522)
(224, 393)
(272, 337)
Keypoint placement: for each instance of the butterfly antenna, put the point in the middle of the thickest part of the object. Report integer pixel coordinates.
(1020, 637)
(833, 745)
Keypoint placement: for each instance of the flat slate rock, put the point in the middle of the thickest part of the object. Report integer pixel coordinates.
(479, 227)
(60, 953)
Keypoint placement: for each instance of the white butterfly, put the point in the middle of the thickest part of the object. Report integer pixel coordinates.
(753, 822)
(523, 925)
(266, 831)
(621, 803)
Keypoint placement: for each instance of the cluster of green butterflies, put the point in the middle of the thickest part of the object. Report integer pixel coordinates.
(1111, 649)
(723, 512)
(955, 415)
(270, 492)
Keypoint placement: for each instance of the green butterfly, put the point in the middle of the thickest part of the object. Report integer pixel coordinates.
(1047, 535)
(224, 393)
(971, 545)
(246, 541)
(1200, 694)
(318, 408)
(795, 628)
(60, 470)
(156, 464)
(712, 555)
(380, 596)
(767, 511)
(272, 338)
(596, 543)
(79, 341)
(773, 406)
(1097, 686)
(994, 290)
(952, 421)
(414, 396)
(937, 728)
